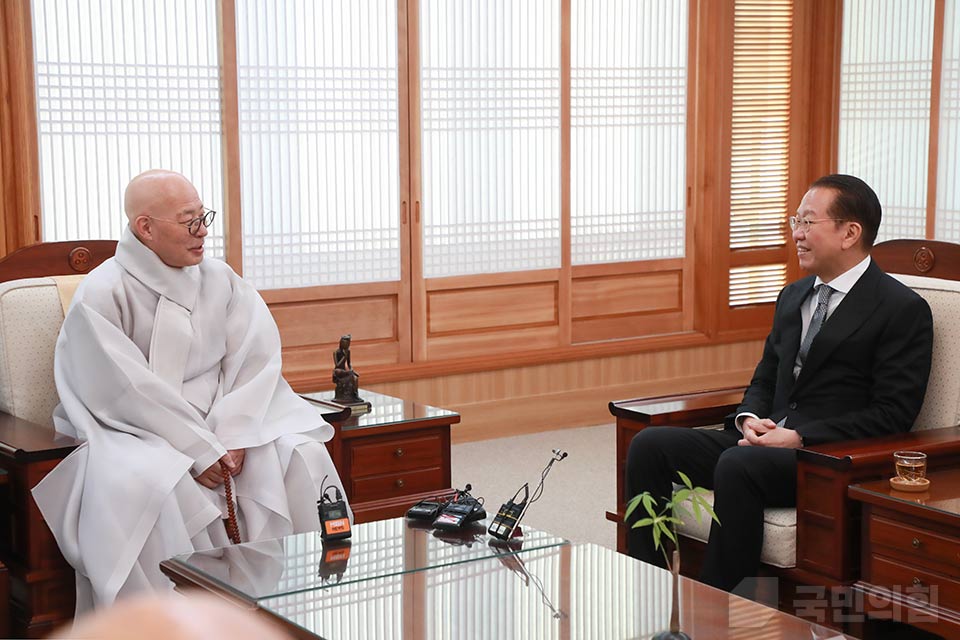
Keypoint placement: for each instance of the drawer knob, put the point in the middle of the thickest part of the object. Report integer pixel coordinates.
(916, 543)
(917, 582)
(398, 452)
(399, 483)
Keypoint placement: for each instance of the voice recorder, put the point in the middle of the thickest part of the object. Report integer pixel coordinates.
(334, 517)
(462, 509)
(508, 517)
(506, 524)
(426, 509)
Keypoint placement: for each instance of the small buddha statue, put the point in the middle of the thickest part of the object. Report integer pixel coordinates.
(347, 380)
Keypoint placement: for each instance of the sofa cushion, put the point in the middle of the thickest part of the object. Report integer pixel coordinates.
(941, 405)
(30, 318)
(779, 533)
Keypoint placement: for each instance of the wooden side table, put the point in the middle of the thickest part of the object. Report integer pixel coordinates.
(911, 553)
(41, 583)
(391, 457)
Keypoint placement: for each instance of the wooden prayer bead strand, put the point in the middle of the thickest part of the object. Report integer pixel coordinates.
(233, 530)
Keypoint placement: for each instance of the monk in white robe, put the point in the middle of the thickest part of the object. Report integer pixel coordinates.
(166, 366)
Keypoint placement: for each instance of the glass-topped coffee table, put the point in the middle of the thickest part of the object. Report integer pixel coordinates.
(556, 592)
(254, 571)
(406, 582)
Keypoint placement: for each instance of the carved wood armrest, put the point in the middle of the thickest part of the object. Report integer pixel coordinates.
(684, 410)
(24, 441)
(857, 456)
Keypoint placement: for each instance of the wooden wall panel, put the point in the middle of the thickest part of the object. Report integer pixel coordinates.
(315, 361)
(324, 321)
(465, 345)
(626, 294)
(609, 328)
(484, 308)
(516, 400)
(310, 331)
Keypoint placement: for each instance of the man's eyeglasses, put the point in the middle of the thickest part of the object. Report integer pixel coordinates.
(193, 225)
(803, 224)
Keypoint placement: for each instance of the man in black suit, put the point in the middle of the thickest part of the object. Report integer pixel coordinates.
(848, 357)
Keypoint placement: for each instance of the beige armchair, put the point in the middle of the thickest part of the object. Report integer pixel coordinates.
(31, 312)
(817, 543)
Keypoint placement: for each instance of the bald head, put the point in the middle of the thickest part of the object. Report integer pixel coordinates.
(172, 617)
(160, 204)
(154, 192)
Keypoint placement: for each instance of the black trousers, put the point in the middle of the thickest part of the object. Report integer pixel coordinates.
(745, 480)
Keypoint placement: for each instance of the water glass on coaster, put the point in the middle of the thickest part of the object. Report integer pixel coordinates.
(911, 467)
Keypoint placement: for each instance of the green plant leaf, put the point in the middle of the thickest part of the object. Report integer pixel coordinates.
(681, 495)
(641, 498)
(679, 511)
(700, 502)
(631, 506)
(649, 503)
(664, 524)
(696, 502)
(670, 535)
(709, 509)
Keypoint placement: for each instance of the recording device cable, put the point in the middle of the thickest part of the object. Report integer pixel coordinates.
(515, 564)
(506, 523)
(558, 455)
(544, 598)
(323, 491)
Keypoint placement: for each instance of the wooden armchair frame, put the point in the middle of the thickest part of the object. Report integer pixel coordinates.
(828, 531)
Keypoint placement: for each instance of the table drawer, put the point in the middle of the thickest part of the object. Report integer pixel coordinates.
(395, 454)
(914, 545)
(396, 484)
(907, 580)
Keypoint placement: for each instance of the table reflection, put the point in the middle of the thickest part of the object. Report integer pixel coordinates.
(579, 591)
(302, 562)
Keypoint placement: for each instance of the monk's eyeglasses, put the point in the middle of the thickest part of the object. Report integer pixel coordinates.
(192, 225)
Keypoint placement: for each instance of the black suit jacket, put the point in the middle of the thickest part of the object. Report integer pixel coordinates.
(867, 369)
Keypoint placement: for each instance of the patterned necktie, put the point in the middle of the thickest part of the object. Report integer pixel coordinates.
(816, 323)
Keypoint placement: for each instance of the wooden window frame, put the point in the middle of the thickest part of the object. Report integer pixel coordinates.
(405, 347)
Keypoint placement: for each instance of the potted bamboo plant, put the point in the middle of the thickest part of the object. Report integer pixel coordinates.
(663, 521)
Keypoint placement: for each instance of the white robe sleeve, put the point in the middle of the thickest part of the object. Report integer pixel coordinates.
(109, 378)
(252, 386)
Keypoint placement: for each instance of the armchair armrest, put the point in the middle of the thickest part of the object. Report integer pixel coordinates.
(861, 455)
(23, 441)
(685, 410)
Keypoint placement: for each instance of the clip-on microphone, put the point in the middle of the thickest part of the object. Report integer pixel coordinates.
(506, 524)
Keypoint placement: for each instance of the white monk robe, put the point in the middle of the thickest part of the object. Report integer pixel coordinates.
(161, 370)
